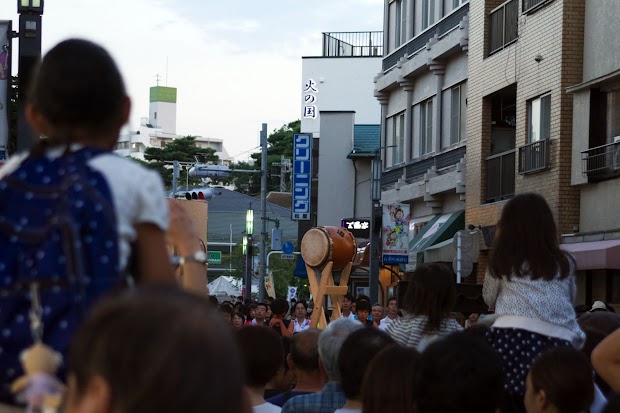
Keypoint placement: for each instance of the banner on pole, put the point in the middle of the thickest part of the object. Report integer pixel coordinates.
(292, 293)
(395, 233)
(269, 286)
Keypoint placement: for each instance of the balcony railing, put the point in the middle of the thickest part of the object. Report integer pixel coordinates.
(500, 176)
(534, 157)
(352, 44)
(601, 162)
(413, 46)
(415, 170)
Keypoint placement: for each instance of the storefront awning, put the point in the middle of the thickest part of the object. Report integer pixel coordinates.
(595, 255)
(439, 229)
(445, 251)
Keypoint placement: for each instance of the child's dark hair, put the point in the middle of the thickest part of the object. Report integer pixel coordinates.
(145, 345)
(363, 306)
(431, 293)
(526, 241)
(279, 306)
(390, 379)
(78, 86)
(261, 352)
(459, 373)
(565, 375)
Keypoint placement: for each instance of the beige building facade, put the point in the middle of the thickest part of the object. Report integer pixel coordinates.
(523, 55)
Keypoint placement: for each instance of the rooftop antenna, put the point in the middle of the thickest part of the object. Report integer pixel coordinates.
(157, 77)
(166, 70)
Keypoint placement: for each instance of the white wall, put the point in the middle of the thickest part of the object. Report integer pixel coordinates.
(336, 172)
(343, 83)
(166, 116)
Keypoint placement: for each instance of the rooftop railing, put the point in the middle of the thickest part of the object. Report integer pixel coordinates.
(352, 44)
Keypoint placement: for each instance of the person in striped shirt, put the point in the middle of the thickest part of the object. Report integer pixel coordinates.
(428, 301)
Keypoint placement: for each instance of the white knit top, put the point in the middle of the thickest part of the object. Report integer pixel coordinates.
(529, 301)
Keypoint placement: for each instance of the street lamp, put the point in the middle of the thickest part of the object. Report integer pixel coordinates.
(30, 6)
(247, 249)
(249, 222)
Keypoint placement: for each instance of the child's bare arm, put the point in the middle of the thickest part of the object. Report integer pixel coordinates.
(606, 360)
(182, 235)
(151, 255)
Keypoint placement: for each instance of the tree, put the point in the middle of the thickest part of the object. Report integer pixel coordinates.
(183, 150)
(279, 143)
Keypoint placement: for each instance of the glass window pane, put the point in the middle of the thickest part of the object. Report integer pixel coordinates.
(535, 120)
(429, 126)
(422, 129)
(463, 132)
(455, 121)
(401, 140)
(545, 117)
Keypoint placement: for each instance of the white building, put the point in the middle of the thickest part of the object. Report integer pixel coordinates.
(339, 108)
(159, 128)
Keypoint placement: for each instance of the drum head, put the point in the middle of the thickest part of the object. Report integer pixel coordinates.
(315, 247)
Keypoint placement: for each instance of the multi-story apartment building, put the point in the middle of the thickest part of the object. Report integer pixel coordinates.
(159, 128)
(596, 156)
(523, 55)
(423, 89)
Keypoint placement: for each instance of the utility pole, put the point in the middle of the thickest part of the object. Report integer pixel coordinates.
(263, 207)
(375, 228)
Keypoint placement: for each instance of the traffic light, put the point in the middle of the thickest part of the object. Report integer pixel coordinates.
(201, 194)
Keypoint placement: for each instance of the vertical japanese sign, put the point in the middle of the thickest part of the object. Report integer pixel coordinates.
(302, 176)
(5, 86)
(395, 234)
(310, 95)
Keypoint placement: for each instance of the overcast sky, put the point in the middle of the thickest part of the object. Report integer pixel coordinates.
(235, 63)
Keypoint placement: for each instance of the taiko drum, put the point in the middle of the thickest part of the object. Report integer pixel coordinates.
(323, 244)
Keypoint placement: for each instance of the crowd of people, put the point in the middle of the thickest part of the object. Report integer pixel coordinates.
(86, 272)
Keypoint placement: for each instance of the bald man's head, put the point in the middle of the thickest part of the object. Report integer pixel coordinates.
(305, 350)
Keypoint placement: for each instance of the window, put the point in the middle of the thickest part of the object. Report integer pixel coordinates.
(426, 127)
(531, 5)
(457, 3)
(155, 115)
(400, 32)
(539, 114)
(503, 22)
(458, 116)
(398, 139)
(428, 13)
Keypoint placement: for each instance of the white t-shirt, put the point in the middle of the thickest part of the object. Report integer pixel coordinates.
(266, 408)
(348, 411)
(385, 322)
(137, 192)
